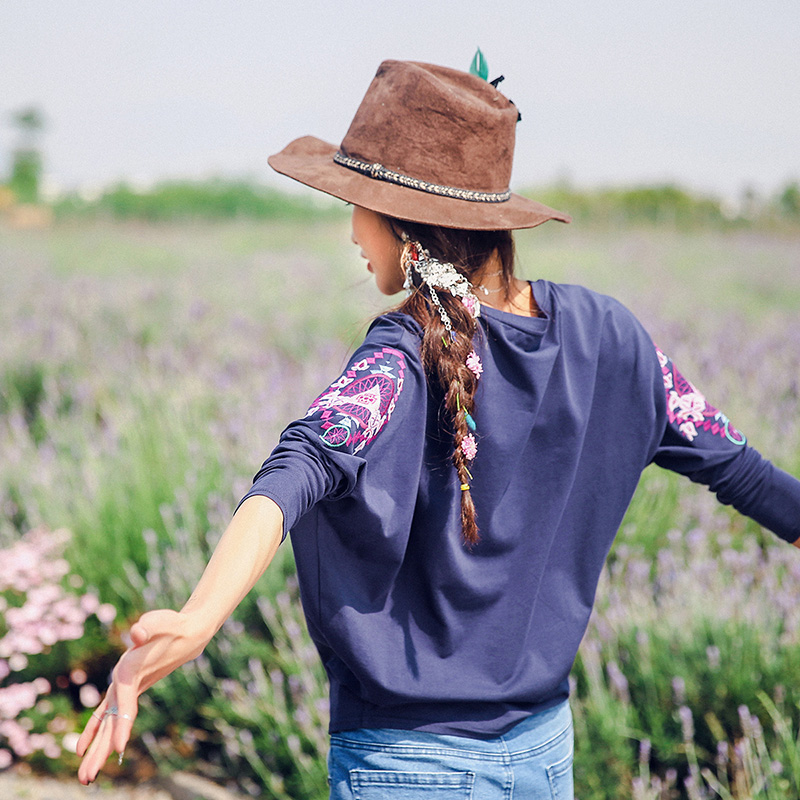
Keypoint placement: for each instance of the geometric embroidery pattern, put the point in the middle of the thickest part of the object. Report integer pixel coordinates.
(689, 410)
(354, 409)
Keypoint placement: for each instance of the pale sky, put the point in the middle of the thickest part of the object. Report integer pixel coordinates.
(702, 92)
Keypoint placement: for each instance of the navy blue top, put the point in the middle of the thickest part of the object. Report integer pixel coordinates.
(417, 631)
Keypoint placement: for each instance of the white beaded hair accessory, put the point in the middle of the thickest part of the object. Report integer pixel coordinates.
(437, 274)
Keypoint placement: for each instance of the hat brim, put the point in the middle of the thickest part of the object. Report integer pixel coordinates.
(310, 161)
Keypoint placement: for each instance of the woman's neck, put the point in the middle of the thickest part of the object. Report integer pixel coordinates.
(490, 288)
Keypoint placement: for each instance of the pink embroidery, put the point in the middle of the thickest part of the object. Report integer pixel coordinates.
(354, 409)
(689, 410)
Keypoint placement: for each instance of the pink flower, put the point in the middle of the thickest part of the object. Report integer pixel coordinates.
(47, 636)
(58, 725)
(472, 305)
(474, 364)
(17, 661)
(89, 696)
(106, 613)
(89, 603)
(78, 677)
(468, 447)
(68, 632)
(13, 699)
(51, 750)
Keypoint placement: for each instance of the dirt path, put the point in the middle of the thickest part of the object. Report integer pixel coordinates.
(14, 786)
(180, 786)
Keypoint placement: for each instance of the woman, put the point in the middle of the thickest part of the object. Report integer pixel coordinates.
(453, 494)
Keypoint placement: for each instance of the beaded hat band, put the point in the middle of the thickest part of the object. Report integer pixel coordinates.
(381, 173)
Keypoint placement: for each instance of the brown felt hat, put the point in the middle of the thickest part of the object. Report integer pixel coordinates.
(428, 144)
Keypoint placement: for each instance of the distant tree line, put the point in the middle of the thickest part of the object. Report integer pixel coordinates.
(222, 198)
(216, 198)
(672, 205)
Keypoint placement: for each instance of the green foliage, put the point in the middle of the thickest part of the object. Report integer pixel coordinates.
(26, 160)
(667, 205)
(671, 206)
(789, 200)
(22, 387)
(26, 174)
(212, 199)
(29, 121)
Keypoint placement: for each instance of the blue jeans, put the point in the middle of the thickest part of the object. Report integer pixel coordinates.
(533, 761)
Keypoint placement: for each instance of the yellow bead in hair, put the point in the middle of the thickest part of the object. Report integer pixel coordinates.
(464, 487)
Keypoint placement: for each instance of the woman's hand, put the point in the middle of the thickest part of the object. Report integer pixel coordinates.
(161, 642)
(164, 640)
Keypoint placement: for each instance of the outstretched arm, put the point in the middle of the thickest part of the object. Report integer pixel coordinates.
(164, 640)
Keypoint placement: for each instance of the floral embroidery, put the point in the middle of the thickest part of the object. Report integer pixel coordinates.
(355, 408)
(689, 410)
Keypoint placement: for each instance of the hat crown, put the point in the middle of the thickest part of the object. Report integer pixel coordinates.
(435, 124)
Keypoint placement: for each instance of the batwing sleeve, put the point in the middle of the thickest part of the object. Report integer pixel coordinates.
(699, 441)
(323, 455)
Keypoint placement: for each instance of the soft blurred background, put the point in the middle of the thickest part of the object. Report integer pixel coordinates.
(167, 305)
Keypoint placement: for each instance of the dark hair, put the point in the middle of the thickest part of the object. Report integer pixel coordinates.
(443, 358)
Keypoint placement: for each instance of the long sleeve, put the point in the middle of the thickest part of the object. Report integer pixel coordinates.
(700, 442)
(323, 455)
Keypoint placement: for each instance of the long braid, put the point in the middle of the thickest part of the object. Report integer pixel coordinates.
(445, 354)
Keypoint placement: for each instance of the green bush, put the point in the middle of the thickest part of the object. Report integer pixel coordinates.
(216, 199)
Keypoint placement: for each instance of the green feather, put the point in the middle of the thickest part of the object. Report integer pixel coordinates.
(479, 66)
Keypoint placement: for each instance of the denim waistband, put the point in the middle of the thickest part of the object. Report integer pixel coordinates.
(533, 735)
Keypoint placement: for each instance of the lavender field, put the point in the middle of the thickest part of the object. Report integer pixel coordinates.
(146, 371)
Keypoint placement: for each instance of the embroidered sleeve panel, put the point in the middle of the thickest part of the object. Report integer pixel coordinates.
(689, 412)
(354, 409)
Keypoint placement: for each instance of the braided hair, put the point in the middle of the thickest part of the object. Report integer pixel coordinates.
(445, 354)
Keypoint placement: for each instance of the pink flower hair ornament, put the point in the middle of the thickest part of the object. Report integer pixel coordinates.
(474, 364)
(472, 304)
(469, 447)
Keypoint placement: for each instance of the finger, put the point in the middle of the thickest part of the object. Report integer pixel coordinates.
(121, 735)
(139, 634)
(92, 726)
(97, 754)
(152, 624)
(127, 710)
